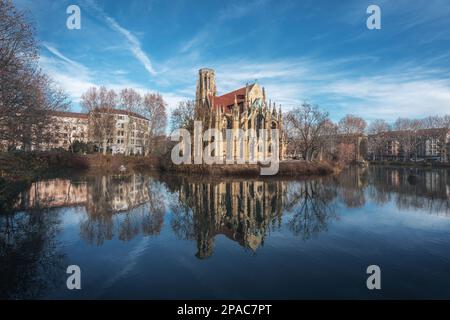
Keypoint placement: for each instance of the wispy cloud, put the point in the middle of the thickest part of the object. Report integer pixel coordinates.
(132, 42)
(58, 54)
(400, 71)
(402, 90)
(230, 12)
(74, 77)
(133, 45)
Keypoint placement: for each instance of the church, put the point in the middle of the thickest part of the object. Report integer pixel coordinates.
(245, 110)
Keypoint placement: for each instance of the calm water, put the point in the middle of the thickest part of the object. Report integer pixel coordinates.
(168, 237)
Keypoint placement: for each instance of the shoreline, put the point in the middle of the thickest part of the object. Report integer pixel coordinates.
(423, 164)
(21, 166)
(289, 168)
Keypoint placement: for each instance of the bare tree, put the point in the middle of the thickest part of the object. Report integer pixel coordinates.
(407, 136)
(436, 122)
(351, 124)
(27, 95)
(130, 100)
(377, 130)
(17, 42)
(26, 120)
(100, 104)
(307, 127)
(183, 116)
(154, 108)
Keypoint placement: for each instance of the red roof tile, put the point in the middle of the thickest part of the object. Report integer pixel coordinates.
(227, 100)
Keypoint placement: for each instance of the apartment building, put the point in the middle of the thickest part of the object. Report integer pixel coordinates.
(68, 127)
(419, 145)
(128, 132)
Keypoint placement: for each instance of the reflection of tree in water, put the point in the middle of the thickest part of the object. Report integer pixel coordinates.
(153, 219)
(243, 211)
(98, 225)
(183, 218)
(126, 207)
(31, 263)
(311, 203)
(351, 185)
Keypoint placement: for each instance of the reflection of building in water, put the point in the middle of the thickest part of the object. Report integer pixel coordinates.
(352, 184)
(108, 194)
(54, 193)
(243, 211)
(137, 198)
(114, 194)
(429, 190)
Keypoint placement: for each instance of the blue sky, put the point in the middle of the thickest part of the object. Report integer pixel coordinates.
(315, 51)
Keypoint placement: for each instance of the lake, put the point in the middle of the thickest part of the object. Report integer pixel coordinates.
(163, 237)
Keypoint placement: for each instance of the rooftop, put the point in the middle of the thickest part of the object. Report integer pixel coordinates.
(85, 115)
(227, 100)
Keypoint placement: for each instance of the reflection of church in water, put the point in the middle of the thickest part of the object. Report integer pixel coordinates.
(243, 211)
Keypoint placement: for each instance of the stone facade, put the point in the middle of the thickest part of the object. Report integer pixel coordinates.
(245, 109)
(68, 128)
(129, 132)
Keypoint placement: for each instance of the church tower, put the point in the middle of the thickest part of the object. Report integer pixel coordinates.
(206, 87)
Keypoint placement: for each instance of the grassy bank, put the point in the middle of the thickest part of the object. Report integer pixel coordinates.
(286, 168)
(112, 164)
(23, 166)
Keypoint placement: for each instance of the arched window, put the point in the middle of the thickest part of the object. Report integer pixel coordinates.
(229, 123)
(259, 123)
